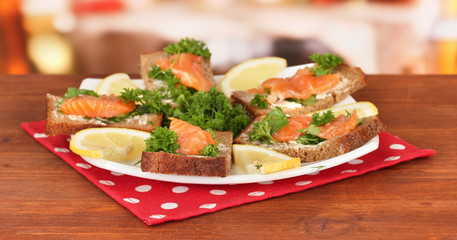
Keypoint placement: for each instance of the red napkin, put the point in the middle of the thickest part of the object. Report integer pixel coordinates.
(157, 201)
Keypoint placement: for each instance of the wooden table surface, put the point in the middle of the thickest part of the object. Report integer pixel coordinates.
(42, 197)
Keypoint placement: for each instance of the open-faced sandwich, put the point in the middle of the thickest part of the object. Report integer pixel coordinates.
(189, 60)
(79, 109)
(185, 149)
(309, 89)
(316, 136)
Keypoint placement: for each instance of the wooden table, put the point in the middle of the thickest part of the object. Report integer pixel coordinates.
(43, 197)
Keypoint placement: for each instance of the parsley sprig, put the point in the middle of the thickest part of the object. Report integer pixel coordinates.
(212, 110)
(189, 45)
(162, 139)
(325, 63)
(309, 136)
(260, 101)
(74, 92)
(271, 123)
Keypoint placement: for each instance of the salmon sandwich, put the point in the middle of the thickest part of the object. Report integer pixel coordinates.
(185, 149)
(311, 88)
(315, 136)
(79, 109)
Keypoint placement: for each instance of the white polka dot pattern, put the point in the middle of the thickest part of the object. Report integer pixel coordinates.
(256, 194)
(303, 183)
(393, 158)
(143, 188)
(356, 161)
(397, 146)
(84, 165)
(116, 174)
(208, 206)
(62, 150)
(107, 182)
(40, 135)
(131, 200)
(157, 216)
(169, 205)
(348, 171)
(217, 192)
(180, 189)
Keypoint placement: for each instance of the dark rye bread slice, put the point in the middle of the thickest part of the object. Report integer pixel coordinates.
(168, 163)
(148, 60)
(352, 80)
(59, 123)
(347, 142)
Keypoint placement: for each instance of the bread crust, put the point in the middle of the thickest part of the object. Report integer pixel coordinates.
(148, 60)
(168, 163)
(355, 81)
(342, 144)
(59, 123)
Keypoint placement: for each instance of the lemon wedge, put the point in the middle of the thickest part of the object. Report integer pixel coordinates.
(259, 160)
(363, 109)
(115, 144)
(115, 83)
(249, 74)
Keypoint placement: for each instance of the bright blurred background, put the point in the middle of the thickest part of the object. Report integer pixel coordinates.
(107, 36)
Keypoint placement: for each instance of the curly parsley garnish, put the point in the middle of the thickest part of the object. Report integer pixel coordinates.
(325, 63)
(189, 45)
(260, 101)
(212, 110)
(162, 139)
(271, 123)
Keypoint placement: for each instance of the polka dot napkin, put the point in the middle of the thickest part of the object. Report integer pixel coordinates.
(157, 201)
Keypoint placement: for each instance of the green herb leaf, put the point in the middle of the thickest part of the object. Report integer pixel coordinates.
(162, 139)
(258, 166)
(189, 45)
(306, 102)
(271, 123)
(322, 119)
(309, 139)
(325, 63)
(260, 101)
(74, 92)
(313, 129)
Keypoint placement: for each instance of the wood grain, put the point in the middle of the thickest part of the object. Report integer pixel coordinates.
(41, 197)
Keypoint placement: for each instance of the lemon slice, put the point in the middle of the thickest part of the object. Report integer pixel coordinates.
(255, 159)
(115, 83)
(363, 109)
(115, 144)
(249, 74)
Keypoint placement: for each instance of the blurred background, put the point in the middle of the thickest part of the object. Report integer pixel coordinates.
(107, 36)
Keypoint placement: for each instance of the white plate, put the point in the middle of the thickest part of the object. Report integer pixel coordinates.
(236, 177)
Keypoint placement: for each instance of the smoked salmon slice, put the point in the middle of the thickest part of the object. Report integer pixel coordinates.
(103, 106)
(290, 131)
(302, 85)
(339, 126)
(189, 69)
(192, 139)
